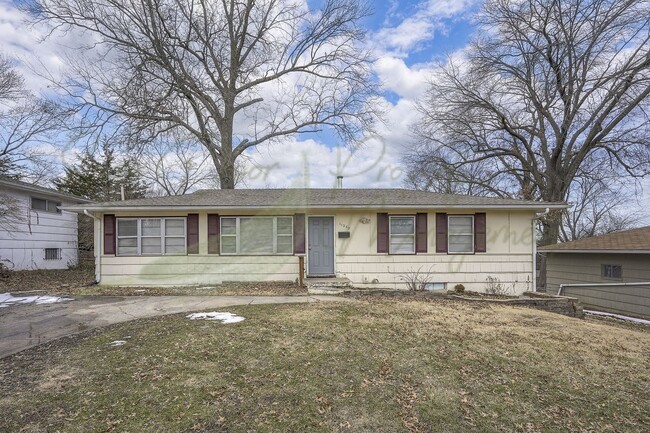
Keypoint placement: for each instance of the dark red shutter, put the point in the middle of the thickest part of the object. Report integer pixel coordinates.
(441, 233)
(421, 233)
(382, 232)
(192, 233)
(480, 233)
(299, 233)
(109, 234)
(213, 233)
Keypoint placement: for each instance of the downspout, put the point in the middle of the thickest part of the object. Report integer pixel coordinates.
(534, 231)
(97, 244)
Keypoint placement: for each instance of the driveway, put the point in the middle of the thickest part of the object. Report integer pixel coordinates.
(25, 326)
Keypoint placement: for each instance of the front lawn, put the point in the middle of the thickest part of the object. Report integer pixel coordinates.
(377, 366)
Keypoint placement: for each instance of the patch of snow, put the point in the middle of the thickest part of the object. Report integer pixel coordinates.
(618, 316)
(214, 315)
(116, 343)
(7, 300)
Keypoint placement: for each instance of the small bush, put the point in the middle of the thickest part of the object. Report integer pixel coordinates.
(495, 287)
(459, 288)
(417, 280)
(5, 272)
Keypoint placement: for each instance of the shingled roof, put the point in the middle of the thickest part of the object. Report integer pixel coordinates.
(315, 198)
(635, 240)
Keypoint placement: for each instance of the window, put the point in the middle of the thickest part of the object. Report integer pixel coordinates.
(612, 271)
(402, 235)
(150, 236)
(52, 253)
(461, 234)
(45, 205)
(257, 235)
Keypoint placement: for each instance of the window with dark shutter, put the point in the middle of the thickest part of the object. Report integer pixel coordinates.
(382, 233)
(299, 233)
(109, 234)
(213, 234)
(441, 233)
(193, 233)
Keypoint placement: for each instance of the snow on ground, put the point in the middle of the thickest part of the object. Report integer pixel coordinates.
(215, 315)
(117, 343)
(618, 316)
(7, 300)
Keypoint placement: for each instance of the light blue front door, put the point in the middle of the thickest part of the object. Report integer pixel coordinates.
(321, 246)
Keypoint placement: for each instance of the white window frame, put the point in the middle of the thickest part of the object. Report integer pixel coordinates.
(237, 235)
(138, 236)
(390, 234)
(449, 218)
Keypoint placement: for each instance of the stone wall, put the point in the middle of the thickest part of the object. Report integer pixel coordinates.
(564, 305)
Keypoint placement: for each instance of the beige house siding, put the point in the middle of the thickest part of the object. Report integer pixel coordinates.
(585, 268)
(509, 256)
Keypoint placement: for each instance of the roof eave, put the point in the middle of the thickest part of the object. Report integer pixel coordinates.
(81, 208)
(39, 190)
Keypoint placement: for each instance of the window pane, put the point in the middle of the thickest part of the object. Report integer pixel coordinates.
(52, 206)
(402, 244)
(228, 244)
(402, 225)
(174, 245)
(228, 226)
(460, 225)
(151, 246)
(151, 227)
(460, 244)
(39, 204)
(128, 246)
(174, 227)
(127, 227)
(255, 235)
(285, 244)
(285, 225)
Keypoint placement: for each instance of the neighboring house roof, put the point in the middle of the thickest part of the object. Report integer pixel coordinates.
(635, 241)
(315, 198)
(39, 190)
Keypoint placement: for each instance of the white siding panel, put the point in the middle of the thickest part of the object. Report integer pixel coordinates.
(23, 245)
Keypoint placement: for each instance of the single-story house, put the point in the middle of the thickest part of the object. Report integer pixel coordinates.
(35, 233)
(372, 237)
(609, 272)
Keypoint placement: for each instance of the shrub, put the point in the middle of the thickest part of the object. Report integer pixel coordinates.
(5, 272)
(495, 287)
(459, 288)
(416, 280)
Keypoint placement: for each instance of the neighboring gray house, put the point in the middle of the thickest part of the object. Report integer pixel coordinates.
(35, 233)
(605, 272)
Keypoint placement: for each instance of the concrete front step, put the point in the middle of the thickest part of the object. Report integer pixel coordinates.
(327, 286)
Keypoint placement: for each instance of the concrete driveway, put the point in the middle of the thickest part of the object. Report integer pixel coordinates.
(25, 326)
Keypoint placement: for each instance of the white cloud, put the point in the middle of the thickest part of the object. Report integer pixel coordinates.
(405, 81)
(430, 17)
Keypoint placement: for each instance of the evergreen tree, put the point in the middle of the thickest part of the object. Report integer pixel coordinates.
(101, 178)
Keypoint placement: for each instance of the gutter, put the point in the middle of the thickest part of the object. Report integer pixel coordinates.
(97, 246)
(176, 208)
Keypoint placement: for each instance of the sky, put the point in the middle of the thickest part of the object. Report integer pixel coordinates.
(406, 37)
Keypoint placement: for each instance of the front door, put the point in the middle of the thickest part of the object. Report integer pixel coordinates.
(321, 246)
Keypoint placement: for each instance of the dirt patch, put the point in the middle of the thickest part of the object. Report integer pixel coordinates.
(48, 280)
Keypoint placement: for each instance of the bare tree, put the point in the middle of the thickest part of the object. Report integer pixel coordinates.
(234, 74)
(10, 210)
(176, 166)
(601, 203)
(546, 87)
(27, 123)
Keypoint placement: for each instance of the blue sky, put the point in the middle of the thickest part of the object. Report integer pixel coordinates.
(407, 37)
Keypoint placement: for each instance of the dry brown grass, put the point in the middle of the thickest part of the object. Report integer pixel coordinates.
(376, 366)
